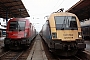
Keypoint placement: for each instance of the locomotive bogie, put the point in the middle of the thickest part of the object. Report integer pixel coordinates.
(13, 42)
(65, 45)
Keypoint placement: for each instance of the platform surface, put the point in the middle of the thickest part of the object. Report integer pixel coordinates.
(37, 51)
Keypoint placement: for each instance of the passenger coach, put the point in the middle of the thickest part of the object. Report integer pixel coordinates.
(85, 27)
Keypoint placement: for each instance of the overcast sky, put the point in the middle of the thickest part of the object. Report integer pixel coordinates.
(38, 9)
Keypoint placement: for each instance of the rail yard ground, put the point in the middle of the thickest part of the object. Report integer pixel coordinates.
(38, 51)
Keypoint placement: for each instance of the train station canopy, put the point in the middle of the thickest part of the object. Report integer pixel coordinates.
(12, 8)
(81, 9)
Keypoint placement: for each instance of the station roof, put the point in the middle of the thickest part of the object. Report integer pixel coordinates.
(12, 8)
(81, 9)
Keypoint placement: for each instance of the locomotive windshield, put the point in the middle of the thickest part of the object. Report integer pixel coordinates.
(66, 22)
(17, 26)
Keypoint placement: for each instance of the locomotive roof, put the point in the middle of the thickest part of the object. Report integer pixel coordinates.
(14, 8)
(62, 14)
(81, 9)
(18, 19)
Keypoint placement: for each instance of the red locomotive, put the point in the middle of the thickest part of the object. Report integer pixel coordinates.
(19, 33)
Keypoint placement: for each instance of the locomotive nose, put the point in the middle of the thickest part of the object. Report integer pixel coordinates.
(16, 35)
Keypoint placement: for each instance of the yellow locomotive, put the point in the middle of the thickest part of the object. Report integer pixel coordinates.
(62, 33)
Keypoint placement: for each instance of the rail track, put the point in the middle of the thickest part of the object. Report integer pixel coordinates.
(11, 55)
(6, 54)
(26, 53)
(79, 56)
(15, 55)
(68, 58)
(52, 56)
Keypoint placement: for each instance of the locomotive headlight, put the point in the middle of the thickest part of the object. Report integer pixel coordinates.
(54, 35)
(79, 34)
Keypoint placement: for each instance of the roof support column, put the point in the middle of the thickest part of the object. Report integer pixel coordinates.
(6, 15)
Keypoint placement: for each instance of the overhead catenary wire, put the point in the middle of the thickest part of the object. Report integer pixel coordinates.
(55, 5)
(52, 10)
(58, 5)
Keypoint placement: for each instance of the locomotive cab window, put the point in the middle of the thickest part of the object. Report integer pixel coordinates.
(73, 22)
(65, 22)
(17, 26)
(21, 25)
